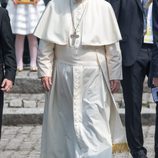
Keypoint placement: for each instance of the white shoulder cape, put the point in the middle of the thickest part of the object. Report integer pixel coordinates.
(99, 23)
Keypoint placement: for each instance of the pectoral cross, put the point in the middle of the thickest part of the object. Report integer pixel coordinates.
(74, 36)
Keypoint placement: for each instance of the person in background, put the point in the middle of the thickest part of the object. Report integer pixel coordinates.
(137, 47)
(7, 58)
(24, 18)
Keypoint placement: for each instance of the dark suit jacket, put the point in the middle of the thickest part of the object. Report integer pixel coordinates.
(130, 18)
(7, 50)
(154, 61)
(7, 54)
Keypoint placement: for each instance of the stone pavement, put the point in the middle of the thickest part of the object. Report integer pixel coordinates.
(24, 142)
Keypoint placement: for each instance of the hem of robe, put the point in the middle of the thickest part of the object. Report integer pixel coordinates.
(120, 148)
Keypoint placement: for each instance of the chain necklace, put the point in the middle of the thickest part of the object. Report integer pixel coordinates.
(74, 36)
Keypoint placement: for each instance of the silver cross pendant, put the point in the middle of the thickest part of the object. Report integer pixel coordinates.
(74, 36)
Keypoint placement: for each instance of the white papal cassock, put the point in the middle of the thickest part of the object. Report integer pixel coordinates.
(80, 118)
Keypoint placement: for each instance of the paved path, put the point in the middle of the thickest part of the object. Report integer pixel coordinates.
(24, 142)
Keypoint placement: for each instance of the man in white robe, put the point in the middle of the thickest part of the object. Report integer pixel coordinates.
(80, 67)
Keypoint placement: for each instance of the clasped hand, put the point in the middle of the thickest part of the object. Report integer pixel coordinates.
(46, 82)
(155, 81)
(6, 85)
(114, 85)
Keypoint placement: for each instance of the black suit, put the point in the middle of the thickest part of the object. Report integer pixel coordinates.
(136, 65)
(7, 54)
(154, 72)
(154, 65)
(130, 18)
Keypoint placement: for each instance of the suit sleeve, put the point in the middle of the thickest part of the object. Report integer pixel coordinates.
(116, 4)
(8, 47)
(154, 60)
